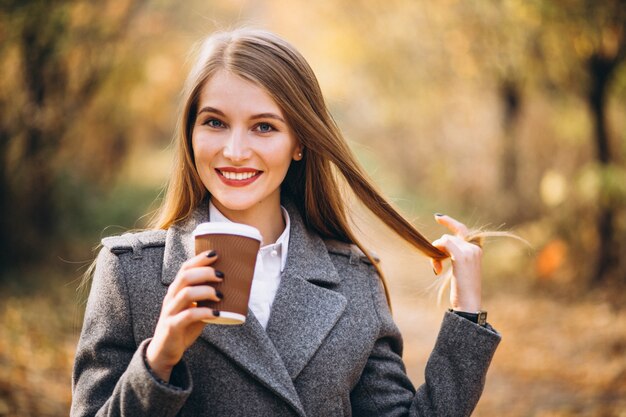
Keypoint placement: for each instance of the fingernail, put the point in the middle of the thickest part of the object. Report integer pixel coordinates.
(219, 294)
(438, 214)
(211, 254)
(435, 271)
(216, 313)
(219, 274)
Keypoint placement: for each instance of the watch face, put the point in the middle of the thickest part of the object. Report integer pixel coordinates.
(482, 318)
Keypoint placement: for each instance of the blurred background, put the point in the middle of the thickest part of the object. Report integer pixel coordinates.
(506, 114)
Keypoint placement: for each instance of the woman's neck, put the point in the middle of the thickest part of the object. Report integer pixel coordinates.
(266, 216)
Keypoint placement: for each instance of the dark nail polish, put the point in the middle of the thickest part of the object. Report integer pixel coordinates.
(438, 214)
(216, 313)
(219, 274)
(435, 271)
(219, 294)
(211, 254)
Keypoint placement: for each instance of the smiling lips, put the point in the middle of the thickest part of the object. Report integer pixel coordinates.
(237, 177)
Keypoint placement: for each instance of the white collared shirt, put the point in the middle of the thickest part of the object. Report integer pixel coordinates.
(270, 262)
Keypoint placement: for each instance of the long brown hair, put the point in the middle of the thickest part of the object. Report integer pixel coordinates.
(312, 183)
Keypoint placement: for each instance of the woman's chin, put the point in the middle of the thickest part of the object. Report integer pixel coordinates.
(234, 203)
(244, 200)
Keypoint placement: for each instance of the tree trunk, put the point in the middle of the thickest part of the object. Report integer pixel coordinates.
(5, 215)
(600, 71)
(510, 99)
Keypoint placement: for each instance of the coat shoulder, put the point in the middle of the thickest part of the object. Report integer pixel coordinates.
(135, 243)
(349, 251)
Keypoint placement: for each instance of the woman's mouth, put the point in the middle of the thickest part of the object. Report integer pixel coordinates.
(238, 177)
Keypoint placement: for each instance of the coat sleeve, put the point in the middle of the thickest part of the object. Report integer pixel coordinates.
(110, 376)
(454, 377)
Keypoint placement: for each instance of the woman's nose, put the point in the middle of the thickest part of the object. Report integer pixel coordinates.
(236, 148)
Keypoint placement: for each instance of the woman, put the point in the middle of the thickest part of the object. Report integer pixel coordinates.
(256, 145)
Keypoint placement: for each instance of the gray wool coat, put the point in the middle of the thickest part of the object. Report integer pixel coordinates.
(330, 348)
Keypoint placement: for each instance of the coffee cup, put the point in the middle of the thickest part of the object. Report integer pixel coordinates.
(237, 246)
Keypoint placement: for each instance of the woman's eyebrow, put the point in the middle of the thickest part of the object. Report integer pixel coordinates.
(209, 109)
(268, 116)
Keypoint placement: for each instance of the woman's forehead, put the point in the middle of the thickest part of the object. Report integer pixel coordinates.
(230, 92)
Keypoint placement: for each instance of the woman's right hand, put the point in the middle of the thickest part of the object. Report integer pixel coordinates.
(180, 322)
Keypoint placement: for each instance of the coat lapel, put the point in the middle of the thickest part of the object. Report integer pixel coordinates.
(179, 244)
(248, 345)
(304, 311)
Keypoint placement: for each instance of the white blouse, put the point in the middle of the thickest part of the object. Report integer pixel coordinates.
(270, 263)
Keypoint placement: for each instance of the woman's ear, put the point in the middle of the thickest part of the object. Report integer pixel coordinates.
(298, 153)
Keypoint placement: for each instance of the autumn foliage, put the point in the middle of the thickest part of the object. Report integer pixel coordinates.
(508, 114)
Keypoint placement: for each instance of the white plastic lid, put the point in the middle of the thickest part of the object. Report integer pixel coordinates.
(227, 317)
(227, 228)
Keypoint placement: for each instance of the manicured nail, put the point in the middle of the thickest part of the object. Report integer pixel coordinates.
(211, 254)
(216, 313)
(438, 215)
(219, 294)
(219, 274)
(435, 271)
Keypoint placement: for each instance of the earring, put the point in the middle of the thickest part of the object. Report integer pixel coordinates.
(299, 154)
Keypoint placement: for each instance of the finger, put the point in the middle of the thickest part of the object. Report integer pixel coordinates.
(193, 315)
(459, 249)
(452, 245)
(188, 295)
(194, 276)
(202, 259)
(189, 298)
(437, 265)
(452, 224)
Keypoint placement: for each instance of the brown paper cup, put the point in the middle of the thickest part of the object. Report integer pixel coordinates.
(237, 246)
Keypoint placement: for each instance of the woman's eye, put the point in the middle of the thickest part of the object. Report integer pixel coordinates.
(265, 128)
(214, 123)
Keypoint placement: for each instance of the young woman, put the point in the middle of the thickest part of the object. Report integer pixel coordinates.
(256, 145)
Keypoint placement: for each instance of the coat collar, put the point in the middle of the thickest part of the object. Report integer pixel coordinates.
(179, 247)
(305, 305)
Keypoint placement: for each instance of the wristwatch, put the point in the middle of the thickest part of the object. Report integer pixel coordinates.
(480, 317)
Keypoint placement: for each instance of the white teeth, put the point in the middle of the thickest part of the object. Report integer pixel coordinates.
(238, 176)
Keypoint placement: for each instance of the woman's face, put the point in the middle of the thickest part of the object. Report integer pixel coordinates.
(241, 142)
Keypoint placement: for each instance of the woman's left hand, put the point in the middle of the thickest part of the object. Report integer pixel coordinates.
(465, 287)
